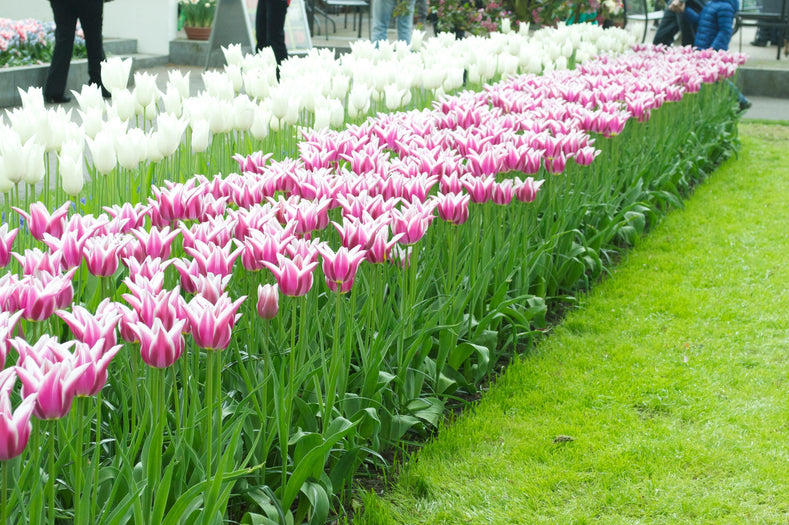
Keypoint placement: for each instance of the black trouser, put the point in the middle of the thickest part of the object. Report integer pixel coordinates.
(270, 27)
(67, 12)
(766, 33)
(673, 22)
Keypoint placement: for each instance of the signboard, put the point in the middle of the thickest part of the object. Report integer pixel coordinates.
(231, 26)
(297, 29)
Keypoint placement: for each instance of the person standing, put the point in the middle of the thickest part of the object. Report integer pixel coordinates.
(714, 26)
(90, 15)
(673, 22)
(384, 10)
(270, 28)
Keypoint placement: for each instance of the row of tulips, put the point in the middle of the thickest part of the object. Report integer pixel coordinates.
(145, 134)
(227, 407)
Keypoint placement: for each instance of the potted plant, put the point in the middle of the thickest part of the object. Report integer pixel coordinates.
(196, 17)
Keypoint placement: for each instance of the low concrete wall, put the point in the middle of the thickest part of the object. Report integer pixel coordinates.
(762, 82)
(12, 78)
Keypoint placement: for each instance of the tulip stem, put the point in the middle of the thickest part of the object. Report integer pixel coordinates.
(77, 458)
(4, 488)
(51, 477)
(209, 381)
(96, 452)
(334, 363)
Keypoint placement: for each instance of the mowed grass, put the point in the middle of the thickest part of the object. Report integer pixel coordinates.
(663, 399)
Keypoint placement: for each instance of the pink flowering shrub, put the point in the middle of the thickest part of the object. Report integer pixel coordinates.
(476, 17)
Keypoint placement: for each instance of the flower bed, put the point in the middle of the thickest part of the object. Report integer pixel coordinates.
(30, 42)
(239, 345)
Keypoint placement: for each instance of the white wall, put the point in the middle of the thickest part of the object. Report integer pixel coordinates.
(152, 23)
(19, 9)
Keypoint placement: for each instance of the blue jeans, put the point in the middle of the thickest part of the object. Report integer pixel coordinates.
(382, 13)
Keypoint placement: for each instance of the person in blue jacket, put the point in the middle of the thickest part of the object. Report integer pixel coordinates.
(714, 26)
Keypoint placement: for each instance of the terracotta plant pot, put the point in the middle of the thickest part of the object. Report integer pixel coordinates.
(197, 33)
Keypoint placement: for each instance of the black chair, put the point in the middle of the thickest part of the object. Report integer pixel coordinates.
(637, 11)
(778, 20)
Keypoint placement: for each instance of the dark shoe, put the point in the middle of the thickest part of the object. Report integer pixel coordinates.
(745, 105)
(62, 99)
(759, 43)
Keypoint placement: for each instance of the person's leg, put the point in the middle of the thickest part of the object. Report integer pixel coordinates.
(90, 14)
(65, 27)
(382, 13)
(405, 24)
(667, 29)
(275, 20)
(687, 33)
(261, 25)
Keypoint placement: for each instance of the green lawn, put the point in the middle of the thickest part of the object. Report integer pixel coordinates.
(670, 383)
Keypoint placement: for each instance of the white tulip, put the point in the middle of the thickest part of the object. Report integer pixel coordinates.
(275, 124)
(72, 174)
(506, 25)
(218, 84)
(322, 117)
(266, 58)
(25, 122)
(89, 97)
(394, 97)
(417, 37)
(473, 74)
(52, 131)
(11, 149)
(171, 130)
(243, 112)
(5, 183)
(32, 99)
(279, 101)
(434, 77)
(179, 81)
(201, 135)
(150, 111)
(256, 83)
(115, 73)
(124, 104)
(34, 162)
(359, 98)
(488, 69)
(339, 85)
(171, 98)
(233, 54)
(102, 151)
(145, 90)
(337, 113)
(233, 72)
(261, 123)
(219, 114)
(292, 115)
(134, 149)
(153, 154)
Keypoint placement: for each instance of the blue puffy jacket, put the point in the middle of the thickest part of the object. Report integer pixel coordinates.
(714, 24)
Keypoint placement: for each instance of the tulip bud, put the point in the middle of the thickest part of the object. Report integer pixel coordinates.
(201, 135)
(115, 73)
(268, 301)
